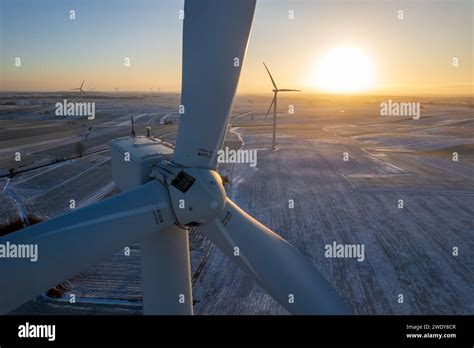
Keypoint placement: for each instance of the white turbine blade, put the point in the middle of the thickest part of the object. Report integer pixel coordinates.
(166, 273)
(271, 77)
(289, 90)
(276, 265)
(271, 104)
(82, 84)
(70, 243)
(215, 36)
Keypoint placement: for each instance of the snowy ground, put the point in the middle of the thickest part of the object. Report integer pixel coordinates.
(407, 251)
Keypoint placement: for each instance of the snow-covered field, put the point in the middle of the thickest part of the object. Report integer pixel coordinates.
(408, 251)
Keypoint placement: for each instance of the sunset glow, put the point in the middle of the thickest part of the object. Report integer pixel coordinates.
(344, 70)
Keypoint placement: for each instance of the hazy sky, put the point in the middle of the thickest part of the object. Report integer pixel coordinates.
(412, 55)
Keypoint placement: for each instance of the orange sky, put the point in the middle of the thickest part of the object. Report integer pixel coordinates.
(410, 55)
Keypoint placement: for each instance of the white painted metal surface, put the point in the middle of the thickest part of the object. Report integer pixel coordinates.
(70, 243)
(277, 266)
(166, 273)
(133, 159)
(215, 37)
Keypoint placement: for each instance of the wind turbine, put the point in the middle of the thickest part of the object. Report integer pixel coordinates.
(162, 197)
(81, 91)
(274, 103)
(88, 132)
(132, 133)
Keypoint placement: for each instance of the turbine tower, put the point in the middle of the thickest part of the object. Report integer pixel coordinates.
(164, 193)
(274, 103)
(81, 91)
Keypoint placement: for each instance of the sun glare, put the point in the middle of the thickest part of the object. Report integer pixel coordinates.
(344, 70)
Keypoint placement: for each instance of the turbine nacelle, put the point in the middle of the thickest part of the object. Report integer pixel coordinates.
(133, 159)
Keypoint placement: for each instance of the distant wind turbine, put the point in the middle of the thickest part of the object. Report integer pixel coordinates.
(88, 132)
(132, 134)
(274, 103)
(117, 89)
(81, 91)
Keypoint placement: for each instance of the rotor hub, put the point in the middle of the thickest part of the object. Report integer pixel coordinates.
(197, 194)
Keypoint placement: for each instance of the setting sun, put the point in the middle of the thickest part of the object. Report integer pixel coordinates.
(344, 70)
